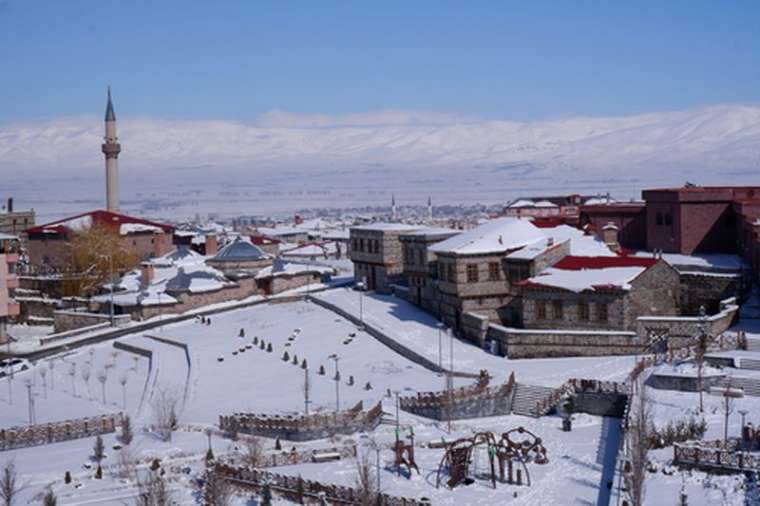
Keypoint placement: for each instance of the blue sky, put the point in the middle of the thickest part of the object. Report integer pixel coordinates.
(239, 59)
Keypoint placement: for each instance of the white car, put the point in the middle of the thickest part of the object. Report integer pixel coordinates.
(14, 365)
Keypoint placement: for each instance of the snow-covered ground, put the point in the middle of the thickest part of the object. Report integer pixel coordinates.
(259, 381)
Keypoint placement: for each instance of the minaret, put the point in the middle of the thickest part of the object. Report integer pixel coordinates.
(393, 208)
(111, 149)
(430, 209)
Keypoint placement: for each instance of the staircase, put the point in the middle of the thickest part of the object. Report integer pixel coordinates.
(749, 363)
(526, 397)
(750, 386)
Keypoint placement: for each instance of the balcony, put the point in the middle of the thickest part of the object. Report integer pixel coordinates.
(12, 282)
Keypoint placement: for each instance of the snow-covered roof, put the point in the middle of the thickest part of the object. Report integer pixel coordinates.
(181, 256)
(281, 231)
(580, 244)
(340, 233)
(386, 227)
(433, 232)
(102, 218)
(239, 250)
(723, 261)
(531, 203)
(7, 237)
(494, 236)
(577, 274)
(599, 200)
(282, 267)
(314, 249)
(136, 228)
(196, 280)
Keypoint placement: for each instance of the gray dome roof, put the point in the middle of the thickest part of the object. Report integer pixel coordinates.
(239, 250)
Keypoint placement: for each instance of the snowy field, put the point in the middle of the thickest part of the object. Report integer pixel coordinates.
(222, 372)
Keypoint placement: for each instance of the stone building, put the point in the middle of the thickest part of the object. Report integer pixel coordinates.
(377, 254)
(599, 293)
(9, 308)
(471, 270)
(48, 244)
(14, 222)
(421, 266)
(284, 275)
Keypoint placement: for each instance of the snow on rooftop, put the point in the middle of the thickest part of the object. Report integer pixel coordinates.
(383, 226)
(580, 244)
(239, 250)
(280, 231)
(433, 231)
(712, 260)
(313, 250)
(134, 228)
(586, 279)
(285, 268)
(495, 236)
(7, 237)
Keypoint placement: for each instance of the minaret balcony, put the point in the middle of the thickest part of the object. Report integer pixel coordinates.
(111, 149)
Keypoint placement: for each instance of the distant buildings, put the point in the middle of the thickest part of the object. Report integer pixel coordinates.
(15, 222)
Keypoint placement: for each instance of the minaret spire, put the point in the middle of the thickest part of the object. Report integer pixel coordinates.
(393, 207)
(430, 209)
(111, 149)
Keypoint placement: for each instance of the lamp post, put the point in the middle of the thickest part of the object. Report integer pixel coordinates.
(744, 413)
(336, 358)
(440, 348)
(361, 286)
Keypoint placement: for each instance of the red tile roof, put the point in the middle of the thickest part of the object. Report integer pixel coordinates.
(573, 263)
(98, 217)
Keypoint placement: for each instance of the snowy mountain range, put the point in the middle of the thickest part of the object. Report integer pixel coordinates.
(718, 144)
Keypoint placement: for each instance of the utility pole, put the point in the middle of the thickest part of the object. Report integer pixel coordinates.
(306, 388)
(30, 398)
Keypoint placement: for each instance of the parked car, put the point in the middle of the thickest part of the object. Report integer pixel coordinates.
(15, 365)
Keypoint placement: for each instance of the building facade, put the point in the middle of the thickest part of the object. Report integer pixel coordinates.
(421, 265)
(377, 254)
(14, 222)
(9, 308)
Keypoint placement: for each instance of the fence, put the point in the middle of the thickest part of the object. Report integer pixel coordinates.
(47, 433)
(293, 457)
(714, 458)
(254, 479)
(306, 427)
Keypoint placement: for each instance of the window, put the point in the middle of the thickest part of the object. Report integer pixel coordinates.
(361, 245)
(583, 312)
(494, 271)
(472, 273)
(451, 276)
(557, 309)
(422, 256)
(601, 312)
(541, 309)
(659, 219)
(668, 219)
(518, 272)
(377, 245)
(441, 271)
(353, 245)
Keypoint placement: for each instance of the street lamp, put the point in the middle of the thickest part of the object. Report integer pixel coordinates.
(744, 413)
(440, 349)
(361, 286)
(337, 382)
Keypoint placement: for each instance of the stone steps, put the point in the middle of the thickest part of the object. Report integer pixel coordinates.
(750, 386)
(526, 398)
(749, 363)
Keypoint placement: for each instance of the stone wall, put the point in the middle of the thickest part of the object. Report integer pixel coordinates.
(706, 289)
(522, 343)
(71, 320)
(687, 327)
(283, 283)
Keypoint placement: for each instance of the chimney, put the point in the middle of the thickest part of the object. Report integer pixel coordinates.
(146, 273)
(298, 220)
(212, 246)
(10, 205)
(610, 233)
(550, 242)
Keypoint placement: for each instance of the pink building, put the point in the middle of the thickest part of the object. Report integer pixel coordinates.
(8, 281)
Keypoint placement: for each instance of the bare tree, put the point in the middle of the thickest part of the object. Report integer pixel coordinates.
(86, 378)
(102, 376)
(639, 431)
(216, 490)
(253, 451)
(10, 486)
(50, 499)
(43, 374)
(123, 382)
(164, 404)
(126, 465)
(366, 481)
(126, 430)
(152, 489)
(699, 354)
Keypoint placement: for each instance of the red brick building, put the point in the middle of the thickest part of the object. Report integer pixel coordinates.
(629, 217)
(48, 244)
